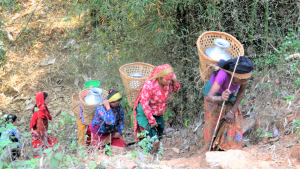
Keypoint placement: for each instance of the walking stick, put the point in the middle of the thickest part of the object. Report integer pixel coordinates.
(214, 136)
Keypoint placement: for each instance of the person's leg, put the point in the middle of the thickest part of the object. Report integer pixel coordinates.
(88, 139)
(81, 132)
(161, 126)
(142, 121)
(233, 134)
(211, 116)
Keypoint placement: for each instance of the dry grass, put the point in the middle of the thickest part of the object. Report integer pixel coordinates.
(40, 41)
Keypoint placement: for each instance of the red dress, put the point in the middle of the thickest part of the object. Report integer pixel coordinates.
(152, 98)
(39, 125)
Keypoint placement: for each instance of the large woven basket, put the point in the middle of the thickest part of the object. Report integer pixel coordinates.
(89, 110)
(132, 84)
(75, 105)
(206, 41)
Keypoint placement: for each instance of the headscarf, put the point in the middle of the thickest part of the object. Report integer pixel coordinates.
(164, 71)
(114, 96)
(243, 70)
(35, 106)
(40, 111)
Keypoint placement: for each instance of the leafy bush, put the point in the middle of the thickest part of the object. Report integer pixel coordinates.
(66, 154)
(6, 145)
(147, 145)
(296, 127)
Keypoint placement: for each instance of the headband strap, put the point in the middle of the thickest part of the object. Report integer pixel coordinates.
(162, 73)
(239, 76)
(114, 97)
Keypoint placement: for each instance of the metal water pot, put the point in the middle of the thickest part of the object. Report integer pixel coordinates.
(218, 52)
(134, 83)
(94, 96)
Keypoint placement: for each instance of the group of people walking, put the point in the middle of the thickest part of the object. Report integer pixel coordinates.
(107, 125)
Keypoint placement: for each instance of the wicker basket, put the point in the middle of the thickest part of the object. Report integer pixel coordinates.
(75, 105)
(206, 41)
(89, 110)
(132, 84)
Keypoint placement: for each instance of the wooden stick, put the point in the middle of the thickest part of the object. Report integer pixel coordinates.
(212, 140)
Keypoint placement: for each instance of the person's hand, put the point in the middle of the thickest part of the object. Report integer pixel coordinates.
(225, 95)
(174, 79)
(106, 104)
(117, 135)
(154, 125)
(229, 117)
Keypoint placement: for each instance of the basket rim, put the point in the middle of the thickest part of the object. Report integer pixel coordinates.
(133, 63)
(76, 95)
(216, 32)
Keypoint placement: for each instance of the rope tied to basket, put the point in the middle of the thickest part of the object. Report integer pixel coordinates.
(202, 74)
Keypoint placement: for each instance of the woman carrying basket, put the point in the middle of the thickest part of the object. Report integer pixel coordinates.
(151, 102)
(230, 133)
(108, 123)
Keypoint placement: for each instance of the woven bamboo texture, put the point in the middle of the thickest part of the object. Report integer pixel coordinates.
(132, 84)
(89, 110)
(75, 105)
(206, 41)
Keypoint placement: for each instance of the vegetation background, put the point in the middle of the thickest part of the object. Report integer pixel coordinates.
(160, 32)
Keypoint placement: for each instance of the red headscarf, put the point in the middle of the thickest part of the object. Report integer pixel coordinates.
(42, 111)
(155, 71)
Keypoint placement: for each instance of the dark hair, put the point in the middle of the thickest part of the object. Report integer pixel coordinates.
(45, 96)
(215, 72)
(11, 118)
(111, 93)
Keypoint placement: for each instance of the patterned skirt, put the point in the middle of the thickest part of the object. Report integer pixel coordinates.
(39, 144)
(229, 136)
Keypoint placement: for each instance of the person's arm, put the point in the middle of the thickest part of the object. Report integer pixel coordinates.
(229, 117)
(213, 91)
(175, 85)
(121, 122)
(108, 115)
(145, 100)
(239, 97)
